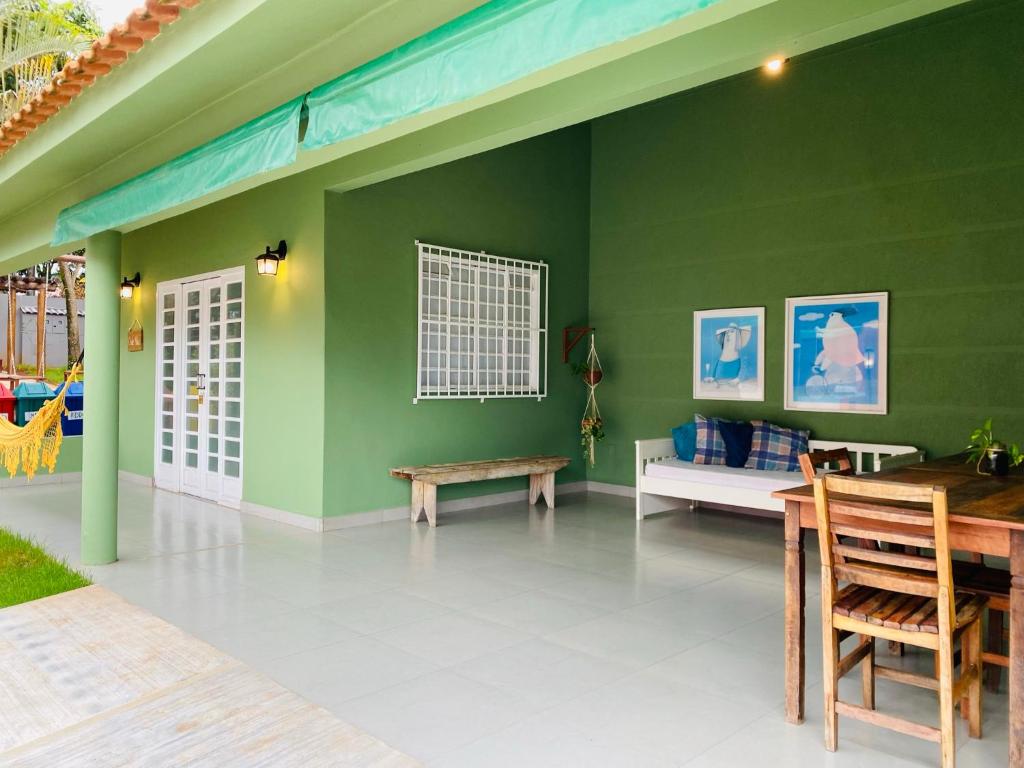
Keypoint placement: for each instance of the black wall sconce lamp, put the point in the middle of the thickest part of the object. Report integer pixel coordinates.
(267, 262)
(128, 286)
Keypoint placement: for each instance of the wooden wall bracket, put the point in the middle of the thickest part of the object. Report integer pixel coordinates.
(572, 336)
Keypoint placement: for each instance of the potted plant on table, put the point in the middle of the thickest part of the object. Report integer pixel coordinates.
(991, 456)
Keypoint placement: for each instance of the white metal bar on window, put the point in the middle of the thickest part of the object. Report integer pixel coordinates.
(481, 330)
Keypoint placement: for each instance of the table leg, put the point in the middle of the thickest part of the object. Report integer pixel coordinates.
(1017, 650)
(795, 624)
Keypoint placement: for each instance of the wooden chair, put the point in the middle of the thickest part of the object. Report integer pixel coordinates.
(812, 461)
(895, 596)
(993, 583)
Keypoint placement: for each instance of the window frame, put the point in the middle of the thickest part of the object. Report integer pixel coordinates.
(503, 329)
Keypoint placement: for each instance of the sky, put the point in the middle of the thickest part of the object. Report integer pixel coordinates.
(111, 12)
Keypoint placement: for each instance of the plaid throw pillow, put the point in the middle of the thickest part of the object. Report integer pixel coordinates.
(710, 445)
(776, 448)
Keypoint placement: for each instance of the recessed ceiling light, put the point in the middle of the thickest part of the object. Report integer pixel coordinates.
(774, 65)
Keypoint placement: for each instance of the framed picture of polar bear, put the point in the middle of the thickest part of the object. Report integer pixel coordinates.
(837, 353)
(728, 354)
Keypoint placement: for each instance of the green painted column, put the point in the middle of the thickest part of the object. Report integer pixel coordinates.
(102, 364)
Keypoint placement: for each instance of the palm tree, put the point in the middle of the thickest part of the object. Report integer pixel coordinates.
(37, 38)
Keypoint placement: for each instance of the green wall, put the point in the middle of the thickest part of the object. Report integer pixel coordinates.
(891, 163)
(284, 334)
(528, 200)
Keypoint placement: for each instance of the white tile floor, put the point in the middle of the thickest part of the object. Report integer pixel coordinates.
(507, 636)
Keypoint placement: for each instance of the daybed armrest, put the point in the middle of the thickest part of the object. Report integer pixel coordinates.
(867, 457)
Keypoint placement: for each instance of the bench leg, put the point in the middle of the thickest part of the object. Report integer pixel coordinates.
(424, 501)
(543, 485)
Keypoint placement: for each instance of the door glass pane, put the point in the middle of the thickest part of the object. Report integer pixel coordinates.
(234, 290)
(234, 349)
(213, 445)
(168, 335)
(215, 314)
(168, 421)
(234, 330)
(192, 442)
(193, 334)
(168, 439)
(215, 333)
(215, 295)
(212, 464)
(193, 298)
(214, 389)
(233, 389)
(233, 428)
(233, 370)
(233, 409)
(214, 351)
(168, 318)
(169, 301)
(192, 460)
(234, 310)
(231, 468)
(167, 457)
(213, 426)
(193, 317)
(232, 448)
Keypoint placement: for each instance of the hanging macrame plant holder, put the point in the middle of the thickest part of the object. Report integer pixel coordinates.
(591, 426)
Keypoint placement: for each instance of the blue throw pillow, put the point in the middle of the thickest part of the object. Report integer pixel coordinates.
(685, 438)
(737, 436)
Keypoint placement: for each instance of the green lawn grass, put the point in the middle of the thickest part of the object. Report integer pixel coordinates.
(28, 573)
(53, 375)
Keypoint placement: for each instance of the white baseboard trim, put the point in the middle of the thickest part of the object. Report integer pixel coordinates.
(315, 524)
(42, 478)
(389, 514)
(612, 489)
(134, 479)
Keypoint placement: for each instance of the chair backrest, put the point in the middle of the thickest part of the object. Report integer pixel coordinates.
(869, 511)
(812, 461)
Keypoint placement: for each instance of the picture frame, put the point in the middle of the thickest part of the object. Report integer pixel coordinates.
(837, 353)
(728, 354)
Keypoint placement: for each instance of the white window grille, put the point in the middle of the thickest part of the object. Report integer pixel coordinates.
(482, 325)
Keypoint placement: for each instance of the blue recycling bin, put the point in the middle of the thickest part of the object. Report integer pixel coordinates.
(74, 403)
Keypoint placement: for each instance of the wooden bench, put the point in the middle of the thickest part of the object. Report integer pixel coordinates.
(425, 479)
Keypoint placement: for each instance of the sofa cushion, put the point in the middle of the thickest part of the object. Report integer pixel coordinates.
(776, 448)
(732, 477)
(737, 436)
(710, 445)
(685, 438)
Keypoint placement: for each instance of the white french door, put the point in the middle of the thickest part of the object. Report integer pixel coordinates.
(200, 324)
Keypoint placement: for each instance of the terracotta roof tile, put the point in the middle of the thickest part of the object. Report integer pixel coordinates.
(98, 60)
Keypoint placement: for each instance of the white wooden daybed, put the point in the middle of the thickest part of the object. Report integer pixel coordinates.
(662, 479)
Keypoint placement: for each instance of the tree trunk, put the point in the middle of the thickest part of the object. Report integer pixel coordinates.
(67, 278)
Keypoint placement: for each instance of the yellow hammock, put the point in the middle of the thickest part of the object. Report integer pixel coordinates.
(39, 440)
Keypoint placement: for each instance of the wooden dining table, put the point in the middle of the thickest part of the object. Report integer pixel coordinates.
(986, 516)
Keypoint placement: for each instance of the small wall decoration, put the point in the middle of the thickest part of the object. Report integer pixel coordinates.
(837, 353)
(728, 354)
(135, 337)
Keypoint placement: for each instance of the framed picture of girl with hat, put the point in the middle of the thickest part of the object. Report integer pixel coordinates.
(728, 354)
